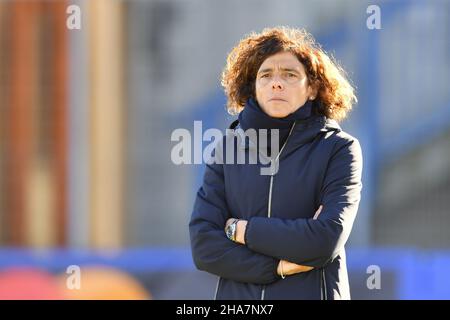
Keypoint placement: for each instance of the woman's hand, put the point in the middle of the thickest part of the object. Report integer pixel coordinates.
(287, 268)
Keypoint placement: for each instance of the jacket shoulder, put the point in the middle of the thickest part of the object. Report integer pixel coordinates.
(344, 140)
(345, 137)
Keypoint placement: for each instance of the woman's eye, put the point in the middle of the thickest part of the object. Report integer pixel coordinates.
(291, 75)
(264, 76)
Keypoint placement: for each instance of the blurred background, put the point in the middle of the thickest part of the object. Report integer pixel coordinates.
(86, 117)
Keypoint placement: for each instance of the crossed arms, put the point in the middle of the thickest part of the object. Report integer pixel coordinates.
(299, 243)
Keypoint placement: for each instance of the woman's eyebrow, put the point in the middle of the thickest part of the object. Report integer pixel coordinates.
(283, 69)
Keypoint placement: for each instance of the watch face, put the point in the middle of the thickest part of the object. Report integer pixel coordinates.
(230, 231)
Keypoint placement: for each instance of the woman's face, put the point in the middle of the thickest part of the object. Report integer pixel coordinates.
(282, 86)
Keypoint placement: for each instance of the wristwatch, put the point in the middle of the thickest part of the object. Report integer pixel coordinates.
(231, 230)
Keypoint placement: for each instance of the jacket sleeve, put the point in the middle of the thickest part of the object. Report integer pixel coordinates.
(212, 251)
(316, 242)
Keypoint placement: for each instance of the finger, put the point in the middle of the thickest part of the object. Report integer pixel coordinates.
(306, 268)
(316, 215)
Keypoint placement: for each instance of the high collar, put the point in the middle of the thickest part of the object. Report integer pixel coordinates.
(307, 130)
(304, 129)
(253, 117)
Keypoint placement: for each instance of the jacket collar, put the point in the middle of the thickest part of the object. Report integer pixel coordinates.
(304, 131)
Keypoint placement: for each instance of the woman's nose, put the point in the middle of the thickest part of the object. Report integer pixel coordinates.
(276, 83)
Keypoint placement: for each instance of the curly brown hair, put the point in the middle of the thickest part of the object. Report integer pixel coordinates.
(335, 95)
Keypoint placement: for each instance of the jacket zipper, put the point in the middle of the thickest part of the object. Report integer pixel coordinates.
(269, 205)
(323, 285)
(217, 288)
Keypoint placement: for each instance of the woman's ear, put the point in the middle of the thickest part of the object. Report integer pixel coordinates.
(313, 90)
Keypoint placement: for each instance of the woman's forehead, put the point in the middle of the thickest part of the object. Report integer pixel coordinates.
(282, 61)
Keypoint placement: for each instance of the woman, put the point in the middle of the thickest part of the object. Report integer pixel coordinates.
(281, 236)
